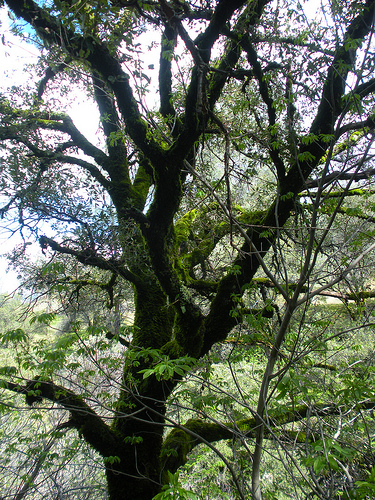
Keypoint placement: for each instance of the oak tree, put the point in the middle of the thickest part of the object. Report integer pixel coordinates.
(263, 127)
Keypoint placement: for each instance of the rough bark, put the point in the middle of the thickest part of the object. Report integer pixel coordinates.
(166, 316)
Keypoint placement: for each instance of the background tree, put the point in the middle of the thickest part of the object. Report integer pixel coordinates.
(265, 126)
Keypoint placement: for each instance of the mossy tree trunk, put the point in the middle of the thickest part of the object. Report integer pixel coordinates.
(164, 242)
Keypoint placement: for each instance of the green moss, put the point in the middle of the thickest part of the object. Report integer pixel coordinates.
(208, 431)
(178, 444)
(141, 186)
(182, 227)
(172, 349)
(153, 318)
(246, 425)
(174, 452)
(202, 252)
(208, 236)
(252, 218)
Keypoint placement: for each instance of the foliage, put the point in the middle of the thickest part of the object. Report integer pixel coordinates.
(187, 250)
(174, 490)
(39, 456)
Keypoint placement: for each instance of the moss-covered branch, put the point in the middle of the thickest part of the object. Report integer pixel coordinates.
(108, 113)
(168, 42)
(198, 232)
(365, 126)
(353, 296)
(219, 322)
(265, 93)
(19, 123)
(100, 58)
(124, 194)
(49, 75)
(338, 193)
(332, 102)
(48, 157)
(183, 439)
(341, 176)
(89, 257)
(83, 418)
(143, 180)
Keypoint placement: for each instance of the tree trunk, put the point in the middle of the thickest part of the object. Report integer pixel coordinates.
(139, 421)
(137, 475)
(122, 486)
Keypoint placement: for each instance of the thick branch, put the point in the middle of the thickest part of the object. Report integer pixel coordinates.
(101, 60)
(250, 17)
(51, 72)
(362, 90)
(18, 122)
(269, 102)
(219, 322)
(108, 114)
(365, 125)
(89, 257)
(180, 442)
(340, 176)
(331, 102)
(168, 43)
(83, 418)
(353, 296)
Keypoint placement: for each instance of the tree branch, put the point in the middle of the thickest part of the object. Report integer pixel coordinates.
(17, 121)
(168, 42)
(341, 176)
(101, 60)
(50, 73)
(268, 101)
(181, 441)
(83, 418)
(89, 257)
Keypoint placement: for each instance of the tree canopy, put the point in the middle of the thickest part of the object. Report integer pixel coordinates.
(242, 195)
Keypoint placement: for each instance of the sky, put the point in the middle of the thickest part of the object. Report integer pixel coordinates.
(15, 54)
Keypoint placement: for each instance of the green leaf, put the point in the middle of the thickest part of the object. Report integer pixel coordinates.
(287, 196)
(112, 459)
(8, 370)
(43, 318)
(306, 156)
(13, 336)
(147, 373)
